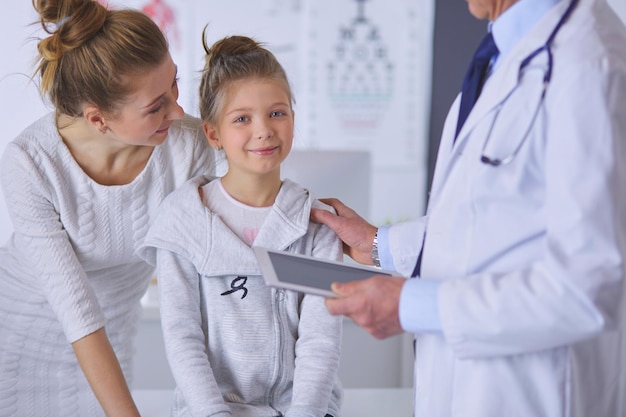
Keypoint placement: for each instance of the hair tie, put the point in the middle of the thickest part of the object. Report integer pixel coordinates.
(62, 22)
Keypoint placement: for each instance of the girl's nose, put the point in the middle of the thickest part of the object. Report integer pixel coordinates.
(263, 131)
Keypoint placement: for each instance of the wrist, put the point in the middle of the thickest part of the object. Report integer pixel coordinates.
(375, 256)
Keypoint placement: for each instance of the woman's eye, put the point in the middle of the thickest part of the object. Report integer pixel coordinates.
(156, 110)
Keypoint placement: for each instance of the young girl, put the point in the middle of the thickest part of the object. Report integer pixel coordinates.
(235, 346)
(82, 185)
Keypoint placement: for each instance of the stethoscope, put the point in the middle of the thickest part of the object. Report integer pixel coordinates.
(495, 162)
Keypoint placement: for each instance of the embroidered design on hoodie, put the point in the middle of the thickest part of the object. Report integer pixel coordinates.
(235, 286)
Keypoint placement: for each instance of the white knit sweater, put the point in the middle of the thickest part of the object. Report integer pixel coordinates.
(70, 267)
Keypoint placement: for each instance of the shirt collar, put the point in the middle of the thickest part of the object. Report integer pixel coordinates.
(510, 27)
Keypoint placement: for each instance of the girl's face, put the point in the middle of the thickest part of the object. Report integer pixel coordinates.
(255, 126)
(145, 117)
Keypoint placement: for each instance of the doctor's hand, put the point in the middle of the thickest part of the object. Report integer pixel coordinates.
(371, 303)
(355, 232)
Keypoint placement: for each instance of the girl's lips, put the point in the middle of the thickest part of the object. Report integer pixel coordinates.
(264, 151)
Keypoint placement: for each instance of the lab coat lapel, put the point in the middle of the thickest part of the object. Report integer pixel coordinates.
(499, 85)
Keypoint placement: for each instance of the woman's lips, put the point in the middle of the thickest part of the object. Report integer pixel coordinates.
(164, 130)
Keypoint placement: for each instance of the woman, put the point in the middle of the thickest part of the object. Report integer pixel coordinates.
(82, 185)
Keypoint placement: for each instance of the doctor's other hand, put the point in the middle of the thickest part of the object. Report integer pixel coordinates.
(371, 303)
(355, 232)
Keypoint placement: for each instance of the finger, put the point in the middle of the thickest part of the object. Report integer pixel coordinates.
(338, 205)
(330, 201)
(321, 216)
(344, 289)
(340, 306)
(333, 305)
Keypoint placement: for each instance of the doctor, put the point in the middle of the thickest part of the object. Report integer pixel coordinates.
(517, 305)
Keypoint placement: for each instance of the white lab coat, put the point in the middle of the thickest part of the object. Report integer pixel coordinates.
(531, 254)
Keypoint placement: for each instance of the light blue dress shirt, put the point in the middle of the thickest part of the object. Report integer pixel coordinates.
(419, 309)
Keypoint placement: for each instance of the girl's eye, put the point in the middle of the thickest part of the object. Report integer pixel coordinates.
(241, 119)
(276, 114)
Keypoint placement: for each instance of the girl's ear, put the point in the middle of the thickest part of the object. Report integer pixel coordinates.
(95, 118)
(210, 131)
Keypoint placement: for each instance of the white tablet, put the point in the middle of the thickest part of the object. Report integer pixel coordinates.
(308, 274)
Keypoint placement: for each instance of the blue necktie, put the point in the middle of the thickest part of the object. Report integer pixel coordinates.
(475, 78)
(472, 85)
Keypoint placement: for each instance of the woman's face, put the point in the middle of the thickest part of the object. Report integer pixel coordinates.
(145, 117)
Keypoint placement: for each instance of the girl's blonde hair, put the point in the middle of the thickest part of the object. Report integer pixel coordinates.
(92, 51)
(229, 60)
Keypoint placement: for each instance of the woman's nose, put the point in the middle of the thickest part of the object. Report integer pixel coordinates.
(175, 111)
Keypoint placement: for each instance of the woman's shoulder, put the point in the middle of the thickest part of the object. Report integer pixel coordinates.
(41, 133)
(39, 142)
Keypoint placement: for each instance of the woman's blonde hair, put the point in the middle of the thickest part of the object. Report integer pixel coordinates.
(229, 60)
(91, 51)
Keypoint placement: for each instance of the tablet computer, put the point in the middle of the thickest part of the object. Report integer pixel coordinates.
(308, 274)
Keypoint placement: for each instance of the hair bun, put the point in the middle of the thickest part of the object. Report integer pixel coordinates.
(86, 45)
(70, 23)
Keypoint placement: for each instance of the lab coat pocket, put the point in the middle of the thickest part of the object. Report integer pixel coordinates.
(533, 384)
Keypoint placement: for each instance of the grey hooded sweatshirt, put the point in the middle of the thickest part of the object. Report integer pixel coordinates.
(237, 347)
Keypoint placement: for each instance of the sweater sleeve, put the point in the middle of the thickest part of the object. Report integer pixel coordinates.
(181, 321)
(318, 348)
(41, 239)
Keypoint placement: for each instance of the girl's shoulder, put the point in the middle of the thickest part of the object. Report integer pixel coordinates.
(297, 191)
(180, 224)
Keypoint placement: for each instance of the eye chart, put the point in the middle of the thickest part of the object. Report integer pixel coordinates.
(366, 77)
